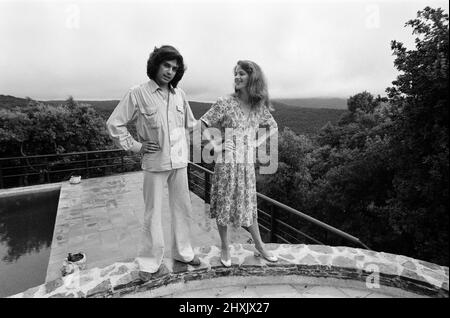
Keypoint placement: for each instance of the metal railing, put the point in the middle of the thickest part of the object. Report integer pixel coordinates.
(22, 171)
(200, 183)
(28, 170)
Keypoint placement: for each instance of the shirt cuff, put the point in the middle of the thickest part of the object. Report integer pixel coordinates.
(136, 147)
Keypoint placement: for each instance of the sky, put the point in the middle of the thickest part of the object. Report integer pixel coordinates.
(97, 50)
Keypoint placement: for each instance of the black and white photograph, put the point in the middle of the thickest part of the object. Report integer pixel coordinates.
(228, 156)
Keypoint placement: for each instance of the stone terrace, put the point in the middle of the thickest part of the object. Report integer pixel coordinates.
(101, 217)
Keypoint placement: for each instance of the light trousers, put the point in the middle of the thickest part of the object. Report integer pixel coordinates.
(152, 247)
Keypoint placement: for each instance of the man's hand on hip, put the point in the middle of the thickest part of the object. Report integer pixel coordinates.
(149, 147)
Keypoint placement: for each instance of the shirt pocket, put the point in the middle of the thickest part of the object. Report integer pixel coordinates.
(180, 115)
(151, 117)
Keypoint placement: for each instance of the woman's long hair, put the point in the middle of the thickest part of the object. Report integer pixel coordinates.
(258, 95)
(162, 54)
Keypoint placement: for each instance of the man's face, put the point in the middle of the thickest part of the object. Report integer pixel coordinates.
(166, 72)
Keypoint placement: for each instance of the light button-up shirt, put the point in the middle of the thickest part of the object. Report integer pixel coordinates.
(160, 117)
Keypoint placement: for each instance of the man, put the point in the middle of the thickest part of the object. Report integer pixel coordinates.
(162, 115)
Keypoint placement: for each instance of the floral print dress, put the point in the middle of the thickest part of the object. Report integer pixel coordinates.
(233, 188)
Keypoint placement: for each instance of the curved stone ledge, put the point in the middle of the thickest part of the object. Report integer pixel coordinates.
(396, 275)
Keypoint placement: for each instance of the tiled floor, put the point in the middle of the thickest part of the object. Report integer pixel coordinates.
(102, 218)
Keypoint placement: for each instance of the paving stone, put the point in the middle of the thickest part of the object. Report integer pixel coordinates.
(430, 265)
(103, 287)
(390, 257)
(343, 261)
(121, 270)
(63, 295)
(127, 279)
(409, 265)
(297, 248)
(369, 253)
(435, 275)
(235, 260)
(352, 250)
(251, 260)
(411, 274)
(215, 261)
(377, 295)
(179, 267)
(248, 247)
(390, 269)
(162, 271)
(106, 271)
(29, 293)
(53, 285)
(308, 260)
(324, 259)
(287, 256)
(237, 248)
(321, 249)
(80, 294)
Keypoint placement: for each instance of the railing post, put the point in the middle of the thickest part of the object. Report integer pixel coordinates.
(207, 188)
(273, 238)
(47, 173)
(87, 165)
(1, 176)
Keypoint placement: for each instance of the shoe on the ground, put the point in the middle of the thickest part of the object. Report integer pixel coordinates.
(195, 261)
(146, 276)
(269, 257)
(226, 263)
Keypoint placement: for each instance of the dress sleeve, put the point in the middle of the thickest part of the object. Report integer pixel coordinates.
(215, 114)
(125, 112)
(266, 119)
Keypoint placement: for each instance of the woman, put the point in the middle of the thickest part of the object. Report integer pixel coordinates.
(233, 192)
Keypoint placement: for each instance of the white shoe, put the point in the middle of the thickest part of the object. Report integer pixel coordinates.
(225, 263)
(270, 258)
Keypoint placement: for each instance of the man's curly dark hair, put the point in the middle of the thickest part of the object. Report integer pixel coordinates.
(162, 54)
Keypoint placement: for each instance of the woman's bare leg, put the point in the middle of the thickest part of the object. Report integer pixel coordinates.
(259, 245)
(223, 232)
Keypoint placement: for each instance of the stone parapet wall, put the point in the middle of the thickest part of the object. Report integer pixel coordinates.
(382, 271)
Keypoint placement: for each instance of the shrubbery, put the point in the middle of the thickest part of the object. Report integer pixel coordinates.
(37, 128)
(381, 173)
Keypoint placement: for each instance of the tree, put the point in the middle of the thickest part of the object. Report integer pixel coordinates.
(419, 144)
(37, 128)
(381, 173)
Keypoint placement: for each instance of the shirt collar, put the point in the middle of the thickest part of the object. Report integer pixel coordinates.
(154, 87)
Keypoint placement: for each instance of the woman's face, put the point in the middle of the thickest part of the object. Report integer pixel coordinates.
(240, 78)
